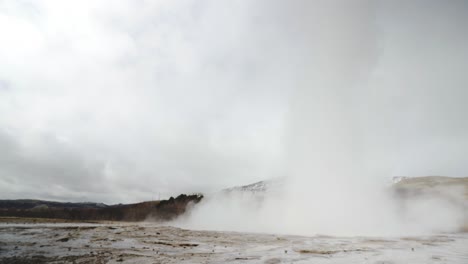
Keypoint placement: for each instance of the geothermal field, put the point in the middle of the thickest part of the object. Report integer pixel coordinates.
(47, 242)
(24, 242)
(246, 131)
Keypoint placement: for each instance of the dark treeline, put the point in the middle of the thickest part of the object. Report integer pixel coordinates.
(163, 210)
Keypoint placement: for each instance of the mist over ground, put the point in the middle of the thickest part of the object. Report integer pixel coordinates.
(123, 102)
(336, 153)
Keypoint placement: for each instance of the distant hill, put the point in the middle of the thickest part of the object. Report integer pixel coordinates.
(156, 210)
(449, 188)
(452, 189)
(258, 187)
(431, 182)
(408, 184)
(30, 204)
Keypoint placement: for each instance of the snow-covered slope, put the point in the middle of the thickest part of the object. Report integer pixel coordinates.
(258, 187)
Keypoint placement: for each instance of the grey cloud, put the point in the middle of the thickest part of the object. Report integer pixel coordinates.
(48, 169)
(118, 101)
(136, 99)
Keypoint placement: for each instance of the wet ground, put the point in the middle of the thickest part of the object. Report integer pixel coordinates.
(58, 242)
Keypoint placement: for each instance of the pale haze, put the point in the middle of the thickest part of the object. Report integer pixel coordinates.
(125, 101)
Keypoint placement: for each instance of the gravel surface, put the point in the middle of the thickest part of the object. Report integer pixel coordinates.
(55, 242)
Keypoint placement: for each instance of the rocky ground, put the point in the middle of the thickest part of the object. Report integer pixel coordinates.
(49, 241)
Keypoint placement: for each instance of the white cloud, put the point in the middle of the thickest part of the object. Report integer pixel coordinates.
(130, 98)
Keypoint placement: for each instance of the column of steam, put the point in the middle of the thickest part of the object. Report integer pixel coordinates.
(324, 133)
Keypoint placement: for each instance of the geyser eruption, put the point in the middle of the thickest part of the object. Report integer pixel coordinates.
(329, 179)
(334, 184)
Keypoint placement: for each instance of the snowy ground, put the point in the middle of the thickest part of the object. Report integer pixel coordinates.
(27, 242)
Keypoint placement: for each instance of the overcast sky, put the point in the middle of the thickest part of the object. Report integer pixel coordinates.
(120, 101)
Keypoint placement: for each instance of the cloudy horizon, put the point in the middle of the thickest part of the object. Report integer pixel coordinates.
(127, 101)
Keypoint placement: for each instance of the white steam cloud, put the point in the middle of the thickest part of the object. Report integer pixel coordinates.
(333, 169)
